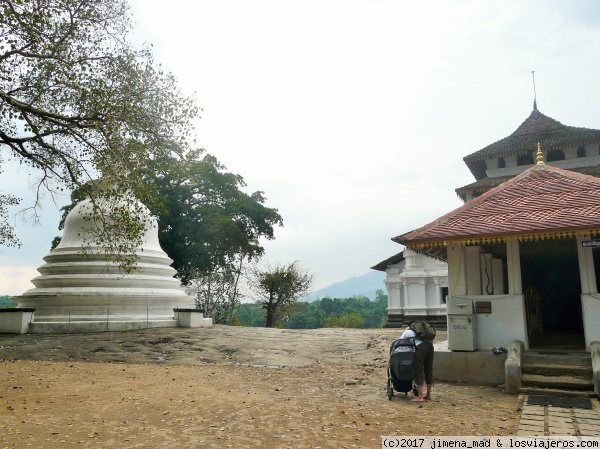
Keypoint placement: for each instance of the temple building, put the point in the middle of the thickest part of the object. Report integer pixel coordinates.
(521, 252)
(568, 147)
(417, 286)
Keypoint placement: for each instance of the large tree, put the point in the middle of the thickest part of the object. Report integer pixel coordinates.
(206, 220)
(77, 102)
(278, 287)
(207, 224)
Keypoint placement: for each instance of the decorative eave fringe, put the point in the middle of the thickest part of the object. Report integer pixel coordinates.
(536, 236)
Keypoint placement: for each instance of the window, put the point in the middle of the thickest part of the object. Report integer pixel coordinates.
(501, 162)
(444, 291)
(581, 151)
(557, 155)
(525, 159)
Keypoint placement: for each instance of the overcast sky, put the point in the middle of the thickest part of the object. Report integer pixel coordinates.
(353, 116)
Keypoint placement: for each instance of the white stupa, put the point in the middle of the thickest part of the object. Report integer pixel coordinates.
(86, 292)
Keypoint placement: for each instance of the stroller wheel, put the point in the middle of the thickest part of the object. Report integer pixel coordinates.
(390, 392)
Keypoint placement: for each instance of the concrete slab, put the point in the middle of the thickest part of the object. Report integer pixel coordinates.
(588, 419)
(531, 423)
(561, 415)
(539, 418)
(533, 410)
(583, 412)
(589, 427)
(482, 367)
(533, 415)
(561, 431)
(560, 421)
(531, 427)
(532, 418)
(529, 433)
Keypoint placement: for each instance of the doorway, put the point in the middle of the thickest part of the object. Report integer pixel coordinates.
(551, 268)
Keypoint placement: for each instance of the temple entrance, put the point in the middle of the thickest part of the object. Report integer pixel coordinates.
(550, 270)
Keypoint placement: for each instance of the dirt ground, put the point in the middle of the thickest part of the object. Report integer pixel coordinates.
(225, 387)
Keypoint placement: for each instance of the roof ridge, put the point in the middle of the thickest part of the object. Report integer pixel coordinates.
(552, 134)
(533, 120)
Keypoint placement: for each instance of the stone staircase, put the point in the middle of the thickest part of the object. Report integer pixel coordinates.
(554, 373)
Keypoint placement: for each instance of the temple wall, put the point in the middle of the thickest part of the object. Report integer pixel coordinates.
(590, 305)
(414, 289)
(505, 324)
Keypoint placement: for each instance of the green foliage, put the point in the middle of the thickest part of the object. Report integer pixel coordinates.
(206, 221)
(207, 224)
(277, 288)
(6, 302)
(7, 233)
(355, 312)
(358, 311)
(352, 320)
(249, 315)
(77, 102)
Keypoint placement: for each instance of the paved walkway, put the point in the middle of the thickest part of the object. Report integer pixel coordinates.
(548, 420)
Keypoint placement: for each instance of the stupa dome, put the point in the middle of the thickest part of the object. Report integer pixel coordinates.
(80, 284)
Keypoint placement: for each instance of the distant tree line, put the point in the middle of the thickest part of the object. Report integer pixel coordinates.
(356, 312)
(6, 302)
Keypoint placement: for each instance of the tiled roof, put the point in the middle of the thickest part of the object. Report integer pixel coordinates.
(539, 200)
(551, 134)
(382, 266)
(485, 184)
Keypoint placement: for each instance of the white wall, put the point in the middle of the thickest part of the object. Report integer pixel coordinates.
(505, 324)
(590, 305)
(414, 285)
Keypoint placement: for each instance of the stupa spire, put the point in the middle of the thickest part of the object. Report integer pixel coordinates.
(540, 155)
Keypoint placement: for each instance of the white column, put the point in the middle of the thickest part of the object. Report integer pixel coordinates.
(513, 257)
(405, 301)
(586, 268)
(457, 272)
(498, 275)
(438, 291)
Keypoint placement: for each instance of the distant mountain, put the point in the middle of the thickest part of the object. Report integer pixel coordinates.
(366, 285)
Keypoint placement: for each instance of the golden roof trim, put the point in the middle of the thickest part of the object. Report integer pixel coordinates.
(532, 236)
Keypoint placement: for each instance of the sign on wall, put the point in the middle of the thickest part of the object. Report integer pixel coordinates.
(594, 243)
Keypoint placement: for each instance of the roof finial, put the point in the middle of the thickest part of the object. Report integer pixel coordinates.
(540, 155)
(534, 95)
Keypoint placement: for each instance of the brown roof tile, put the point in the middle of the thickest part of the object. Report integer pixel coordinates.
(537, 128)
(543, 198)
(485, 184)
(382, 266)
(550, 133)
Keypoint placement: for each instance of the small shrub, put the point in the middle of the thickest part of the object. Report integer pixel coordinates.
(352, 320)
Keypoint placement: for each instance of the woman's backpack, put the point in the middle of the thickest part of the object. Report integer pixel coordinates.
(423, 330)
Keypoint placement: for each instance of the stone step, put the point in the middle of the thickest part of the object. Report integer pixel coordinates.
(556, 358)
(544, 369)
(559, 382)
(556, 392)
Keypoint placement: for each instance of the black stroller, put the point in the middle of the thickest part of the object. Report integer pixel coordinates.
(401, 368)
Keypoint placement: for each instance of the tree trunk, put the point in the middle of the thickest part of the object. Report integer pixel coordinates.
(269, 317)
(270, 310)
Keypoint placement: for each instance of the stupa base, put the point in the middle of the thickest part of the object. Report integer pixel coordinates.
(23, 321)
